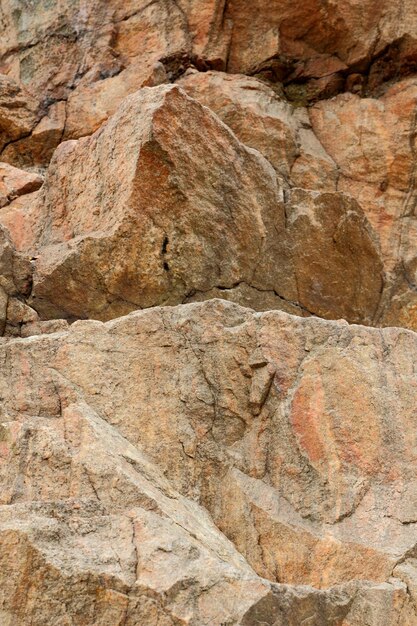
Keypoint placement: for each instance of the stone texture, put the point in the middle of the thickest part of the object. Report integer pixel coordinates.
(34, 326)
(110, 49)
(322, 39)
(15, 182)
(35, 150)
(220, 222)
(18, 111)
(266, 121)
(15, 283)
(146, 240)
(280, 426)
(373, 143)
(254, 112)
(360, 146)
(203, 463)
(95, 100)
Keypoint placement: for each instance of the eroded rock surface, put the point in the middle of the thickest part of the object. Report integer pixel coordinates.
(373, 143)
(167, 457)
(142, 213)
(283, 428)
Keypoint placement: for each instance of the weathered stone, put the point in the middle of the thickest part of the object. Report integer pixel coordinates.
(267, 122)
(325, 37)
(19, 219)
(15, 182)
(219, 223)
(3, 309)
(205, 463)
(18, 112)
(329, 231)
(18, 312)
(35, 150)
(17, 315)
(313, 489)
(260, 118)
(118, 245)
(15, 280)
(42, 327)
(15, 270)
(109, 50)
(372, 142)
(96, 100)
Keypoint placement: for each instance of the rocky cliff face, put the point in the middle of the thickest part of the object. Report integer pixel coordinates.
(208, 313)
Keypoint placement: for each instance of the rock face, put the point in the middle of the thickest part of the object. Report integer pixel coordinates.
(208, 279)
(220, 221)
(380, 172)
(282, 428)
(15, 183)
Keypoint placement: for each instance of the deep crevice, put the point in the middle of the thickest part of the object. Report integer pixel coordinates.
(367, 78)
(164, 250)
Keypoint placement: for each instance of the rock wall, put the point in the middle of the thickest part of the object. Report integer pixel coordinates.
(208, 313)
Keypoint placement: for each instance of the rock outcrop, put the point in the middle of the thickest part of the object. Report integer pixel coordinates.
(208, 308)
(117, 438)
(141, 214)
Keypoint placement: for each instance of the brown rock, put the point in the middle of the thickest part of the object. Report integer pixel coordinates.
(267, 122)
(15, 280)
(96, 100)
(15, 270)
(18, 112)
(18, 312)
(19, 219)
(350, 33)
(259, 118)
(372, 142)
(314, 487)
(3, 309)
(313, 168)
(109, 48)
(35, 151)
(119, 245)
(208, 464)
(45, 327)
(17, 316)
(338, 269)
(15, 182)
(102, 52)
(218, 223)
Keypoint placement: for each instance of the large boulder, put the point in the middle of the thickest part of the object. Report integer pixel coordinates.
(163, 204)
(170, 204)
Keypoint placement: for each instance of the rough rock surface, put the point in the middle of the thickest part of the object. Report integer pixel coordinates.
(281, 427)
(199, 200)
(372, 142)
(269, 123)
(15, 183)
(107, 243)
